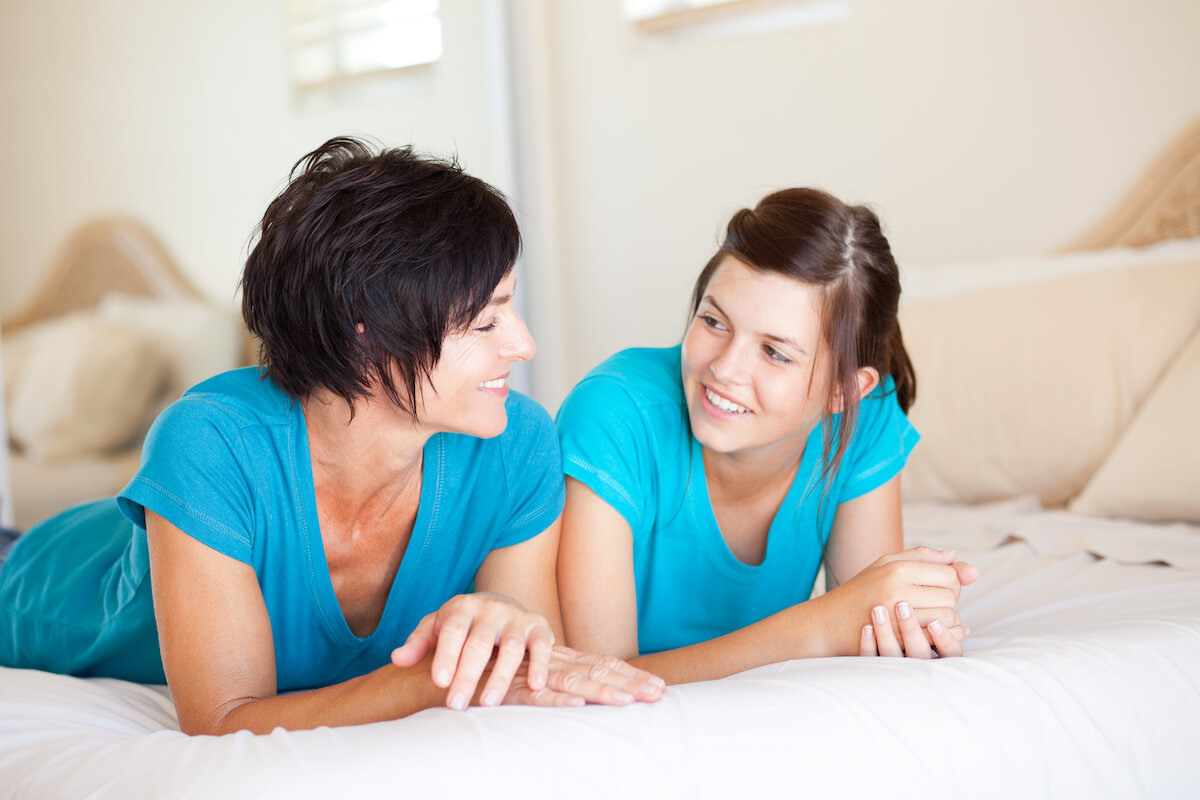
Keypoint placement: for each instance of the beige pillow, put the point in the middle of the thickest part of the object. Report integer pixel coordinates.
(1026, 389)
(79, 385)
(1154, 472)
(197, 338)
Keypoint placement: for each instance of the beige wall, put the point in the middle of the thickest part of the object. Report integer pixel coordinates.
(181, 114)
(975, 128)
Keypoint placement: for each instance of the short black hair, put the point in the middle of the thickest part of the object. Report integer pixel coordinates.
(408, 246)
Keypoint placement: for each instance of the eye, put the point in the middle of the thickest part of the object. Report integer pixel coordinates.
(489, 327)
(711, 322)
(775, 355)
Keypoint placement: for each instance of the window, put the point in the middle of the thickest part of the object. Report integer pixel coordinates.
(336, 40)
(731, 16)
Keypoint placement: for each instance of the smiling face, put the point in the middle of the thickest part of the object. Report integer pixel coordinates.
(467, 389)
(755, 369)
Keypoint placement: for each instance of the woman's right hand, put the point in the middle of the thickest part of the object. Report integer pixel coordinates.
(462, 635)
(930, 580)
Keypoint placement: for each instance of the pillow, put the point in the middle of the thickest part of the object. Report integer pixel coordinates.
(1026, 389)
(1154, 472)
(196, 338)
(79, 385)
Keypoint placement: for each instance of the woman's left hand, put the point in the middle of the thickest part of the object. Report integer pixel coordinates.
(577, 678)
(878, 638)
(465, 631)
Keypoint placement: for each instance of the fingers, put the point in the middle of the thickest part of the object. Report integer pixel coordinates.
(915, 644)
(602, 679)
(866, 642)
(885, 638)
(472, 651)
(541, 645)
(944, 640)
(947, 616)
(921, 553)
(510, 654)
(966, 573)
(418, 644)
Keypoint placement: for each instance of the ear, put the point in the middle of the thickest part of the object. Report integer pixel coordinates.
(867, 378)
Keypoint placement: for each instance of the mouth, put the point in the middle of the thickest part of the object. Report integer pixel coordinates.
(495, 383)
(723, 403)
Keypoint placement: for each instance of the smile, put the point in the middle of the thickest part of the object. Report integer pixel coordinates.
(498, 383)
(723, 404)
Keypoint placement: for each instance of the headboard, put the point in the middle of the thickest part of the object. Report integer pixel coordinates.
(113, 254)
(1163, 204)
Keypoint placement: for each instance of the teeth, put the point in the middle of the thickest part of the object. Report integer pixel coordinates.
(723, 404)
(496, 384)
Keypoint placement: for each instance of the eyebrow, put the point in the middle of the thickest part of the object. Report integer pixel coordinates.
(790, 342)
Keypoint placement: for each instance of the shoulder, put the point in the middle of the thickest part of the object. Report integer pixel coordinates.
(640, 378)
(230, 400)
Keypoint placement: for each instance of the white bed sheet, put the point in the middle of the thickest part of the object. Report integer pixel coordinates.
(1082, 679)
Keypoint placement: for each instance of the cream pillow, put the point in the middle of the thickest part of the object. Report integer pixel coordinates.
(1154, 472)
(1026, 389)
(198, 339)
(80, 385)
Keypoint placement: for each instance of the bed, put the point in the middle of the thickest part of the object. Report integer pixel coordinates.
(1061, 455)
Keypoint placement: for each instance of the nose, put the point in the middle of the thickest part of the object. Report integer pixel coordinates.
(519, 345)
(729, 366)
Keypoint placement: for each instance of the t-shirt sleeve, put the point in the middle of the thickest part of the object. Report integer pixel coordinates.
(534, 473)
(881, 444)
(606, 446)
(195, 474)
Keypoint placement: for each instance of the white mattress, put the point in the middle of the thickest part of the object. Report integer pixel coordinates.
(1081, 679)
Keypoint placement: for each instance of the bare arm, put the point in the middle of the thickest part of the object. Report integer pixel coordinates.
(600, 606)
(219, 654)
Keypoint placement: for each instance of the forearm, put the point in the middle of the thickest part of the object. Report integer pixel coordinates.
(801, 631)
(389, 692)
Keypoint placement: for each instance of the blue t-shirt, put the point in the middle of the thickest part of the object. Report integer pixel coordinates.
(626, 436)
(229, 464)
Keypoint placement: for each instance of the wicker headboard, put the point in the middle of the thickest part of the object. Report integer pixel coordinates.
(1163, 204)
(105, 255)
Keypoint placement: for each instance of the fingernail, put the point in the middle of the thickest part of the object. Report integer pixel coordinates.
(879, 614)
(903, 610)
(490, 698)
(623, 697)
(442, 678)
(657, 682)
(868, 632)
(935, 626)
(458, 701)
(577, 701)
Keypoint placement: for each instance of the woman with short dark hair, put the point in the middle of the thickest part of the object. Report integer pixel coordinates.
(290, 526)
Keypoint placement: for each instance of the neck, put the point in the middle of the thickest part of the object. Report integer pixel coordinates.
(747, 474)
(365, 461)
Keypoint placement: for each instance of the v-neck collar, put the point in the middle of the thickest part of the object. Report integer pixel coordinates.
(321, 583)
(700, 503)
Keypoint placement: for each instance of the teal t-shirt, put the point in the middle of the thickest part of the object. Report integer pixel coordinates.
(229, 465)
(626, 436)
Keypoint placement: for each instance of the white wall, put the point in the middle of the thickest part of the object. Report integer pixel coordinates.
(974, 128)
(181, 114)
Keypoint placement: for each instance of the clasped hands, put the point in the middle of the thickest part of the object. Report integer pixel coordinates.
(921, 586)
(527, 668)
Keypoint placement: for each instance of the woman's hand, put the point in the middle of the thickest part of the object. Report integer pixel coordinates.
(878, 639)
(577, 678)
(929, 580)
(465, 631)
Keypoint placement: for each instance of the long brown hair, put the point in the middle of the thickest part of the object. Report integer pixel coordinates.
(813, 237)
